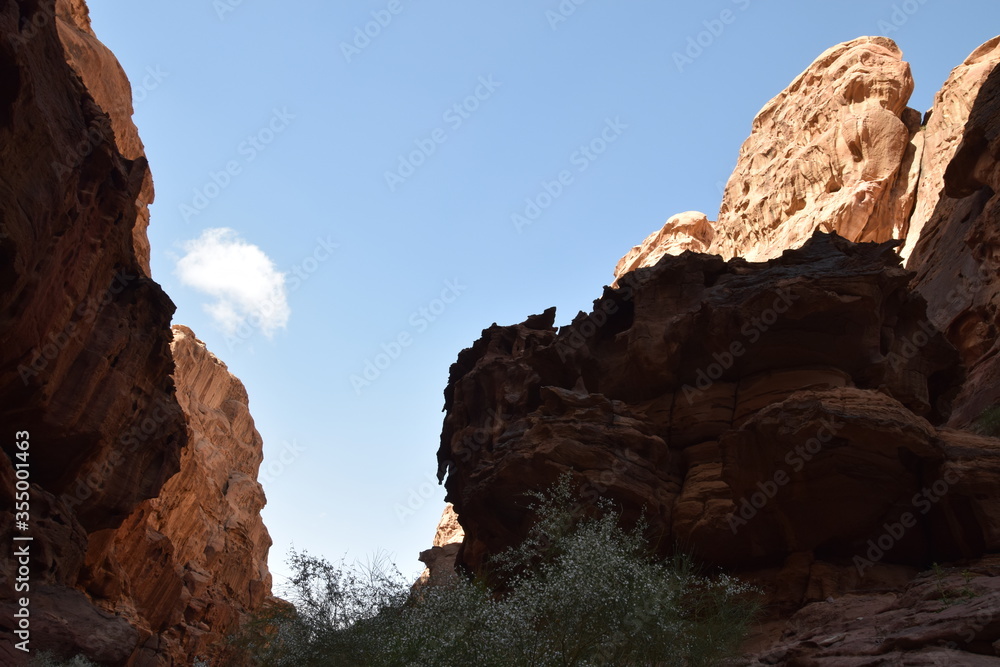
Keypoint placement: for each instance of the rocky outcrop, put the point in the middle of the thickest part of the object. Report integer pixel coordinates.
(124, 557)
(783, 420)
(105, 80)
(656, 397)
(838, 150)
(957, 255)
(944, 132)
(795, 421)
(684, 231)
(187, 566)
(946, 616)
(440, 558)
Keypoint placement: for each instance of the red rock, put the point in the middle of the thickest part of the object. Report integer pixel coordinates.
(190, 564)
(684, 231)
(653, 370)
(148, 545)
(835, 151)
(957, 255)
(794, 421)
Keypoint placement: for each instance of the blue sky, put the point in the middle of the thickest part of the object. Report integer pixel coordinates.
(369, 186)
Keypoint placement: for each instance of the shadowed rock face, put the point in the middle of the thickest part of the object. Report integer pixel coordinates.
(148, 545)
(957, 256)
(783, 420)
(657, 398)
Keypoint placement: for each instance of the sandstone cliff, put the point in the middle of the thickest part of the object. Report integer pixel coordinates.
(957, 253)
(795, 414)
(125, 418)
(187, 566)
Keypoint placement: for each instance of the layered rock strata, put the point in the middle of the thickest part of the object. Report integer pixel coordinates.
(655, 398)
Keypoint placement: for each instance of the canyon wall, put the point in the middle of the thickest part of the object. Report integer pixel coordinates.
(147, 544)
(774, 391)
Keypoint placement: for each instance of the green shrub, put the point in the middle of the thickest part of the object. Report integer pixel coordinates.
(988, 422)
(580, 590)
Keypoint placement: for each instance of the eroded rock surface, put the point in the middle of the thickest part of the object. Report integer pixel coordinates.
(190, 564)
(685, 231)
(795, 421)
(835, 151)
(957, 256)
(107, 83)
(784, 420)
(440, 558)
(130, 561)
(653, 396)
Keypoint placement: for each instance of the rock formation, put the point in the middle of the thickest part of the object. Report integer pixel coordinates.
(838, 150)
(796, 420)
(680, 373)
(186, 566)
(684, 231)
(440, 558)
(126, 563)
(957, 255)
(105, 80)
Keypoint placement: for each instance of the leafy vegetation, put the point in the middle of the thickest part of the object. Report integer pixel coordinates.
(580, 590)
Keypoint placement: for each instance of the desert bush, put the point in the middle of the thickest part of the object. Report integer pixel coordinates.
(580, 590)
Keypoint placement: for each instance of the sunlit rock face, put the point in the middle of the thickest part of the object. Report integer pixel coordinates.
(838, 150)
(147, 542)
(685, 231)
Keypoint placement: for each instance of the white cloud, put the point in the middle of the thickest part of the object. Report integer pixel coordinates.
(247, 286)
